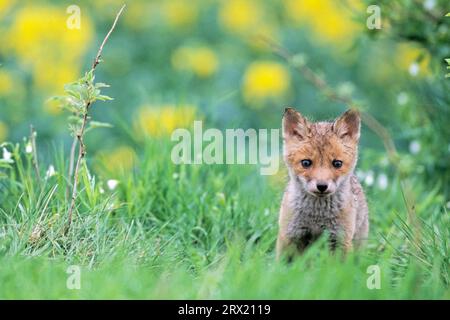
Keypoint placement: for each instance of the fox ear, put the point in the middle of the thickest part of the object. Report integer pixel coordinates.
(294, 124)
(348, 125)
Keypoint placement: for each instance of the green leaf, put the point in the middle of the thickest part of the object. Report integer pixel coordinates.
(104, 98)
(101, 85)
(6, 163)
(97, 124)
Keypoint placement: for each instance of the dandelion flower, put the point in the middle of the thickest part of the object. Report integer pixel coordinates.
(179, 13)
(38, 37)
(414, 60)
(240, 16)
(3, 131)
(265, 80)
(202, 61)
(120, 158)
(160, 121)
(6, 82)
(329, 20)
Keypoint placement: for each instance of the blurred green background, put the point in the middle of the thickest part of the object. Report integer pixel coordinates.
(169, 62)
(172, 62)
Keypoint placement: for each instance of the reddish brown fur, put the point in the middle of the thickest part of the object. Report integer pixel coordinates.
(321, 142)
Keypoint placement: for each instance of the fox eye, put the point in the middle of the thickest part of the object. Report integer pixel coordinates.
(306, 163)
(337, 163)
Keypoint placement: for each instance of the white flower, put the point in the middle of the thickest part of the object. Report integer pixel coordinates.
(50, 171)
(112, 184)
(7, 155)
(414, 69)
(382, 181)
(429, 4)
(402, 98)
(101, 190)
(360, 174)
(414, 147)
(369, 179)
(28, 148)
(175, 176)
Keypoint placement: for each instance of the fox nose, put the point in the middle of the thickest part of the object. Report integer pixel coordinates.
(322, 187)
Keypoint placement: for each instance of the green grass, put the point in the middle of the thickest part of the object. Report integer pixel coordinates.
(201, 232)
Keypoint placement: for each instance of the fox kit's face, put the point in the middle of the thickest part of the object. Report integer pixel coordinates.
(320, 155)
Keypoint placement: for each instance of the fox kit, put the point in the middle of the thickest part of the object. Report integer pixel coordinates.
(323, 194)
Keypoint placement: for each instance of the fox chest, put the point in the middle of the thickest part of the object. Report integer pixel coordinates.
(310, 220)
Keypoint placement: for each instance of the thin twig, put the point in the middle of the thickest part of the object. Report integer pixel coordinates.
(71, 163)
(85, 119)
(99, 53)
(34, 153)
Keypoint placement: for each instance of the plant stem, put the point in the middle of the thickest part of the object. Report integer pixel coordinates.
(71, 163)
(80, 134)
(34, 153)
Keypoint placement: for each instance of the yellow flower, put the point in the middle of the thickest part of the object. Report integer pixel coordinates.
(250, 20)
(122, 158)
(240, 16)
(6, 82)
(328, 19)
(5, 5)
(265, 80)
(158, 121)
(200, 60)
(40, 38)
(3, 131)
(414, 60)
(53, 106)
(139, 15)
(55, 78)
(179, 13)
